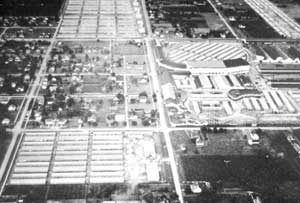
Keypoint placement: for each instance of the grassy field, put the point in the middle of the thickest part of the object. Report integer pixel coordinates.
(101, 108)
(218, 199)
(33, 192)
(221, 143)
(135, 88)
(106, 191)
(124, 48)
(72, 191)
(268, 176)
(271, 168)
(101, 84)
(5, 139)
(237, 170)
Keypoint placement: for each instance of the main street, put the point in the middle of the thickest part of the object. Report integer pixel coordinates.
(163, 120)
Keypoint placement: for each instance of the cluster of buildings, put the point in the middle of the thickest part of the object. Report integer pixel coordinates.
(276, 53)
(84, 158)
(219, 91)
(68, 158)
(95, 19)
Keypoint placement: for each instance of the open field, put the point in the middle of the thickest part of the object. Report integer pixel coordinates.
(138, 84)
(31, 8)
(232, 142)
(1, 30)
(5, 139)
(178, 19)
(235, 171)
(127, 48)
(270, 168)
(245, 21)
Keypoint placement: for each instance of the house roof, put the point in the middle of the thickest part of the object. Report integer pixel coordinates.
(168, 91)
(235, 62)
(218, 63)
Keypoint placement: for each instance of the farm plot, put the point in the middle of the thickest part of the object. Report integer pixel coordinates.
(260, 173)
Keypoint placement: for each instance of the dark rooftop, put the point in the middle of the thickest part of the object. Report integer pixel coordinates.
(235, 62)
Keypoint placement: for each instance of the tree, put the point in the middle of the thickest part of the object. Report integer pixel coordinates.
(70, 102)
(153, 113)
(133, 123)
(87, 58)
(145, 122)
(55, 107)
(143, 94)
(72, 89)
(49, 77)
(121, 98)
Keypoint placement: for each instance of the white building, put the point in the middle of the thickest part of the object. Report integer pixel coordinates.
(168, 91)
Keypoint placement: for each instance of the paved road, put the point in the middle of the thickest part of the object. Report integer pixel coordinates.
(150, 129)
(147, 20)
(163, 121)
(126, 102)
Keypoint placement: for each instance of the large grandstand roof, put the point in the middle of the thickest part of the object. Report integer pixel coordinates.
(218, 63)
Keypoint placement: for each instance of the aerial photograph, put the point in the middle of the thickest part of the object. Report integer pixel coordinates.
(149, 101)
